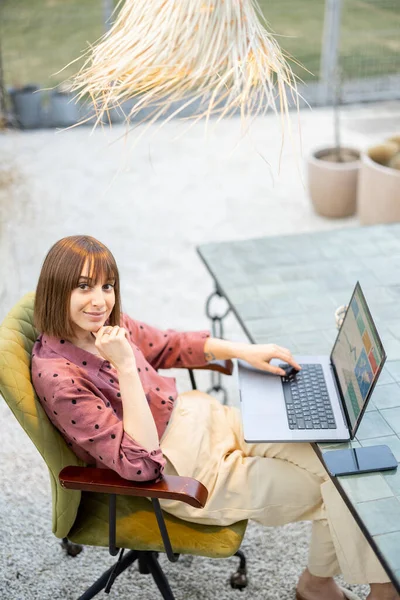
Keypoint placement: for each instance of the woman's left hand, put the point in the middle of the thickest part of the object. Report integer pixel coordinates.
(260, 355)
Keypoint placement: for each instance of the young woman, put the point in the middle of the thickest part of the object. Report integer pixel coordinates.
(95, 372)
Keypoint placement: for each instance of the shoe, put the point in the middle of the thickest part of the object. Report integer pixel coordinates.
(347, 594)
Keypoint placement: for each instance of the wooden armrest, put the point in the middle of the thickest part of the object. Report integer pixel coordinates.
(222, 366)
(172, 487)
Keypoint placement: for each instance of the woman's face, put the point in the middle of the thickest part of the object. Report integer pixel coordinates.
(91, 303)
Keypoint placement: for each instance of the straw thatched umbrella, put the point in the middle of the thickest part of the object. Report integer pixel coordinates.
(215, 55)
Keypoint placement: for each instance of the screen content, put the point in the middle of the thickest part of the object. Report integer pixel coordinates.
(357, 355)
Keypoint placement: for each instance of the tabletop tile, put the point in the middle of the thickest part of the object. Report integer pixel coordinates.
(334, 251)
(389, 544)
(393, 368)
(242, 293)
(286, 341)
(364, 249)
(392, 478)
(394, 327)
(305, 249)
(388, 275)
(387, 396)
(380, 516)
(233, 277)
(323, 347)
(392, 348)
(311, 337)
(379, 294)
(274, 290)
(283, 306)
(373, 425)
(384, 377)
(267, 279)
(392, 416)
(389, 247)
(304, 286)
(333, 279)
(311, 301)
(367, 486)
(252, 309)
(341, 296)
(284, 258)
(330, 335)
(370, 406)
(296, 273)
(368, 280)
(388, 312)
(390, 440)
(299, 323)
(394, 290)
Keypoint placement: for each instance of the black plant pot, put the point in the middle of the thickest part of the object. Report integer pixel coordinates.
(27, 106)
(63, 109)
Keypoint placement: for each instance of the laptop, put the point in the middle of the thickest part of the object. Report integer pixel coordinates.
(326, 400)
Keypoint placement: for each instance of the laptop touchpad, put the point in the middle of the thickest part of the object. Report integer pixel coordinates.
(262, 401)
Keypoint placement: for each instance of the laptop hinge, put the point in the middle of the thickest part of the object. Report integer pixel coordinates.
(343, 407)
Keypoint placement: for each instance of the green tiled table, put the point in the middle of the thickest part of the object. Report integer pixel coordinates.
(285, 290)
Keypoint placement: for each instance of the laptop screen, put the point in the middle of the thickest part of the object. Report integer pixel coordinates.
(357, 356)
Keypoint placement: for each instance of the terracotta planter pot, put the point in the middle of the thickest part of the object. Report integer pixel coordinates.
(333, 185)
(378, 193)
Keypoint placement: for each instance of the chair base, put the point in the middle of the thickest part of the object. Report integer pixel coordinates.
(70, 548)
(148, 563)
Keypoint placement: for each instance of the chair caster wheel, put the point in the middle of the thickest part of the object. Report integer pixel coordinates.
(239, 579)
(70, 548)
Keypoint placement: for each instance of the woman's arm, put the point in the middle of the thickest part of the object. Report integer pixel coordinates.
(167, 349)
(258, 355)
(137, 418)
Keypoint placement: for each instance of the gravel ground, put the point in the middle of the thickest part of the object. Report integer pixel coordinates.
(151, 203)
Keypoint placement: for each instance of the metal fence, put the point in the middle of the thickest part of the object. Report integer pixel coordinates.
(358, 38)
(362, 40)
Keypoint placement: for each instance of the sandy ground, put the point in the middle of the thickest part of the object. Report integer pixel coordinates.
(152, 204)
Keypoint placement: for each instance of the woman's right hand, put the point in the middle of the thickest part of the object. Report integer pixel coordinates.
(113, 345)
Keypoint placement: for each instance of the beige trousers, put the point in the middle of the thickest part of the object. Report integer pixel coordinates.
(272, 484)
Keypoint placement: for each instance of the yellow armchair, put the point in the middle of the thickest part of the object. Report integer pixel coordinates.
(97, 507)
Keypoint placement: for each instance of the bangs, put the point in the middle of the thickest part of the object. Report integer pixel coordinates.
(101, 267)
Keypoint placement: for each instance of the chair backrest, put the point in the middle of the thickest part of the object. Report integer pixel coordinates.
(17, 336)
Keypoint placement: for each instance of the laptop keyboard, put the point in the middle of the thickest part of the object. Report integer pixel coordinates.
(307, 400)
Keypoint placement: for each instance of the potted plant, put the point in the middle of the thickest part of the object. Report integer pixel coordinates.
(63, 109)
(3, 118)
(27, 105)
(379, 183)
(333, 171)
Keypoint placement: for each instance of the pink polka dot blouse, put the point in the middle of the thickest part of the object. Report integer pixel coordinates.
(80, 394)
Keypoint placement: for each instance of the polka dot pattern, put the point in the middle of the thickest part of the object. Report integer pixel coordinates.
(83, 410)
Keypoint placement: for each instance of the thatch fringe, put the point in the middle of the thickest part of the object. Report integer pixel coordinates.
(214, 54)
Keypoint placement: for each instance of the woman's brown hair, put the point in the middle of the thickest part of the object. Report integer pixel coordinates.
(60, 274)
